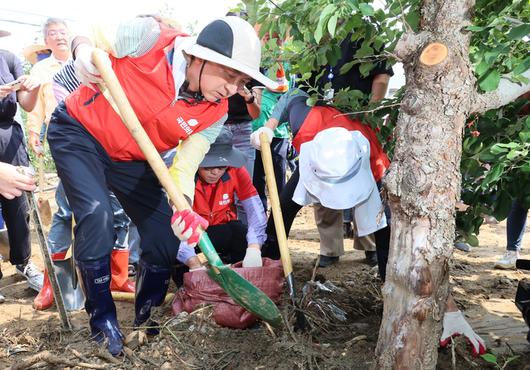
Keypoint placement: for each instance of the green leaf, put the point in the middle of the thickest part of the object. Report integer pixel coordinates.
(324, 16)
(514, 154)
(519, 32)
(503, 204)
(490, 80)
(413, 19)
(493, 175)
(366, 9)
(365, 68)
(488, 357)
(524, 136)
(332, 24)
(522, 66)
(481, 68)
(311, 101)
(498, 149)
(475, 28)
(346, 67)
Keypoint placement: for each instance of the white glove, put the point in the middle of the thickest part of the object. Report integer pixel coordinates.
(254, 137)
(454, 325)
(85, 71)
(252, 258)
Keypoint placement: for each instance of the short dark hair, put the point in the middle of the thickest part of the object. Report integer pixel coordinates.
(50, 22)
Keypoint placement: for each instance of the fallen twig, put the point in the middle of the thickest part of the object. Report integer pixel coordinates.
(51, 359)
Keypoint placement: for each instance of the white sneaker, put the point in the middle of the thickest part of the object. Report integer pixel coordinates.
(32, 274)
(507, 262)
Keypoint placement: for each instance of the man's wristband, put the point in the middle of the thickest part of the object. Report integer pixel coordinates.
(251, 100)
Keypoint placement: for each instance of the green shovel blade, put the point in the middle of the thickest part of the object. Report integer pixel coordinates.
(238, 288)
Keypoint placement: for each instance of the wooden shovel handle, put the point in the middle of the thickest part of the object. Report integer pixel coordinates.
(266, 157)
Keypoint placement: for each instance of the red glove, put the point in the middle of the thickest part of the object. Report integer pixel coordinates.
(454, 325)
(188, 225)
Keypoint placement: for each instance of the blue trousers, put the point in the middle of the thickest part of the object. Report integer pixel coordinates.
(515, 226)
(87, 174)
(60, 234)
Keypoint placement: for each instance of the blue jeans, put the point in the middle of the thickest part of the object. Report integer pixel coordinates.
(60, 235)
(241, 140)
(2, 223)
(515, 226)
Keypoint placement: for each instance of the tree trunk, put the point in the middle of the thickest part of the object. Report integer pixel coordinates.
(424, 184)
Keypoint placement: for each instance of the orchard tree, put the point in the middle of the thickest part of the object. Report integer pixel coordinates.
(461, 60)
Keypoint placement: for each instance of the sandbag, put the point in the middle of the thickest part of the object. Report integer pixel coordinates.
(198, 289)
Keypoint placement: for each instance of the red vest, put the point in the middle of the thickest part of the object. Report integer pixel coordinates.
(215, 202)
(321, 118)
(149, 85)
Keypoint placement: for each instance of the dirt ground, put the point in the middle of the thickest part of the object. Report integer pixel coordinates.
(194, 342)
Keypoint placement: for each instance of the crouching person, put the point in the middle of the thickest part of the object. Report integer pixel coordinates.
(220, 179)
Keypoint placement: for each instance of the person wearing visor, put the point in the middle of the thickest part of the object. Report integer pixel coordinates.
(178, 86)
(220, 179)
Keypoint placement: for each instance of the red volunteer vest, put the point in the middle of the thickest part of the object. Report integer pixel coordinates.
(321, 118)
(149, 85)
(215, 202)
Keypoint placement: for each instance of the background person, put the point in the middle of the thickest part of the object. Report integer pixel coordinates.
(13, 152)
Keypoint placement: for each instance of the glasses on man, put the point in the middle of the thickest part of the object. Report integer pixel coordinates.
(56, 33)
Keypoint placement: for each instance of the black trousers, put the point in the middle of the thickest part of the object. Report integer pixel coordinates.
(15, 211)
(87, 174)
(279, 149)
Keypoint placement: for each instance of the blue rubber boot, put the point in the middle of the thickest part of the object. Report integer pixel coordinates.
(95, 277)
(151, 288)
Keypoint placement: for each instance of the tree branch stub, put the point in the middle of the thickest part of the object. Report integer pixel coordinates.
(433, 54)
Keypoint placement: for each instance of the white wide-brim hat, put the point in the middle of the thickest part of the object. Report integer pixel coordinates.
(232, 42)
(335, 170)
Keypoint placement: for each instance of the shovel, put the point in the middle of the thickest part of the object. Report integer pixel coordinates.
(281, 235)
(73, 295)
(48, 264)
(240, 290)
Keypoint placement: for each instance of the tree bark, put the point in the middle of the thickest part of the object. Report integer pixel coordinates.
(423, 186)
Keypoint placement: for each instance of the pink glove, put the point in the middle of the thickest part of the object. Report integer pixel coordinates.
(188, 225)
(454, 325)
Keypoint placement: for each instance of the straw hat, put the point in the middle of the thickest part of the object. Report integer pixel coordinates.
(31, 52)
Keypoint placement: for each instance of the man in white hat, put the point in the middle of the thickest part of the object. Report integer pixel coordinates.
(178, 87)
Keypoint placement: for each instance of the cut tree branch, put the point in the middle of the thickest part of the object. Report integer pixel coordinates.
(409, 43)
(507, 92)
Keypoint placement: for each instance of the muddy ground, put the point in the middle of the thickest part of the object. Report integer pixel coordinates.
(195, 342)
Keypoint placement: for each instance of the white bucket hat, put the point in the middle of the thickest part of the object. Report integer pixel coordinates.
(335, 172)
(232, 42)
(335, 169)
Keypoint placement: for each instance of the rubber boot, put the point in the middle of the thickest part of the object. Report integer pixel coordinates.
(44, 299)
(119, 266)
(95, 278)
(151, 287)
